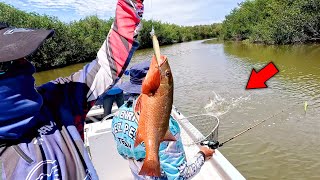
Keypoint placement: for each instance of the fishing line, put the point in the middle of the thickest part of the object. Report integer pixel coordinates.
(151, 10)
(215, 144)
(152, 28)
(255, 125)
(193, 132)
(211, 124)
(202, 138)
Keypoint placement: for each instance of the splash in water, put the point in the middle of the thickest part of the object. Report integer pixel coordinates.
(219, 106)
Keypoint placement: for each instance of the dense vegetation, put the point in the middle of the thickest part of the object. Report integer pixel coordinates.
(79, 41)
(274, 21)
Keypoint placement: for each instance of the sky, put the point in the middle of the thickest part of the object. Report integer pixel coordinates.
(181, 12)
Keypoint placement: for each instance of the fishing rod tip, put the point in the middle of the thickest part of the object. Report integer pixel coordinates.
(152, 32)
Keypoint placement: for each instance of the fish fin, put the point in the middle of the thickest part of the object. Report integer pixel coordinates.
(137, 111)
(137, 108)
(169, 137)
(152, 81)
(150, 168)
(139, 139)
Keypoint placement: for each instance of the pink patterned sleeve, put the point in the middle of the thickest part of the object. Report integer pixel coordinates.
(115, 53)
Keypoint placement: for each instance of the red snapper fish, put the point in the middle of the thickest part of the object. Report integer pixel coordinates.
(153, 108)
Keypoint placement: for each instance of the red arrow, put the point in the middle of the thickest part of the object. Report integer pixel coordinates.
(258, 79)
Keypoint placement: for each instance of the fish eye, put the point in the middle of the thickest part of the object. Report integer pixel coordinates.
(168, 73)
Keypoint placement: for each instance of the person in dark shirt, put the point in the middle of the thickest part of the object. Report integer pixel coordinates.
(41, 128)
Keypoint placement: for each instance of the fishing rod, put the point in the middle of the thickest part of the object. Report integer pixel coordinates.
(155, 42)
(239, 134)
(216, 144)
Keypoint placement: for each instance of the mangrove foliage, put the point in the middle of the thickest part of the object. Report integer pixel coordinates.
(274, 21)
(79, 41)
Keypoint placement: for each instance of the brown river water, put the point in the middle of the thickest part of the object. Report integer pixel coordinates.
(211, 78)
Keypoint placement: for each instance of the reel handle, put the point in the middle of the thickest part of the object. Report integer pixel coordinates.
(210, 144)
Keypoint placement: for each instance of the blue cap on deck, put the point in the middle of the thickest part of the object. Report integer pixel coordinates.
(137, 74)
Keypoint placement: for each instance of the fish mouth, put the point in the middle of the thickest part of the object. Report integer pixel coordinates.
(163, 59)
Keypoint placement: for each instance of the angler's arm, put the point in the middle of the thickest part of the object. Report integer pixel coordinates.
(174, 163)
(190, 169)
(75, 93)
(114, 54)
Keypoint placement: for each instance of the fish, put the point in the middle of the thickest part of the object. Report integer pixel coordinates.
(153, 108)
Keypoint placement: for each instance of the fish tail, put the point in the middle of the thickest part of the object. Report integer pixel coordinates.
(150, 168)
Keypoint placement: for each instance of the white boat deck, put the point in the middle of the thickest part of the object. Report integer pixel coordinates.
(110, 165)
(95, 111)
